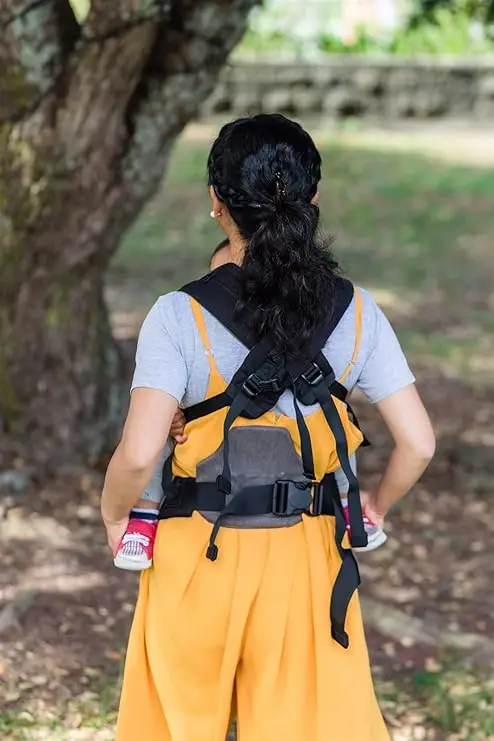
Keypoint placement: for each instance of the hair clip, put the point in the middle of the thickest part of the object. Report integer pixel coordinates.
(280, 186)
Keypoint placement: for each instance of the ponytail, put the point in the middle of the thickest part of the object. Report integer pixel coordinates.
(266, 170)
(288, 276)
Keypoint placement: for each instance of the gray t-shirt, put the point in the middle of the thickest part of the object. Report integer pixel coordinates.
(171, 357)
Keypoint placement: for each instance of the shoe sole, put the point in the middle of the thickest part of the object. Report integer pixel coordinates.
(377, 541)
(127, 564)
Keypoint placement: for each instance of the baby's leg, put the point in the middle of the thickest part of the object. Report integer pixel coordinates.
(151, 498)
(147, 504)
(147, 508)
(136, 549)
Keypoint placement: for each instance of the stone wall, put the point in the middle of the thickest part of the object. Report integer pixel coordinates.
(343, 86)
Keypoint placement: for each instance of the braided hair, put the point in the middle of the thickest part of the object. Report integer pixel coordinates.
(266, 170)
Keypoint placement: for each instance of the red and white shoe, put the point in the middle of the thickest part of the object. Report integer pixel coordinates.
(135, 552)
(376, 537)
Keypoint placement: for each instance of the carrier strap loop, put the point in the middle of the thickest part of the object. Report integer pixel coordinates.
(347, 581)
(305, 443)
(358, 534)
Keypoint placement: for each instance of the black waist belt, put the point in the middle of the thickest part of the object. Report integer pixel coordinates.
(284, 498)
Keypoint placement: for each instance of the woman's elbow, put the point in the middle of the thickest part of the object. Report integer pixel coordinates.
(427, 448)
(423, 447)
(136, 458)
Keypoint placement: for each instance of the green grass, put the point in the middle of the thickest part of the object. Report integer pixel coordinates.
(14, 724)
(416, 229)
(90, 717)
(445, 702)
(457, 701)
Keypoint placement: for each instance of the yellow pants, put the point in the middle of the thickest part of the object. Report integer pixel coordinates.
(250, 630)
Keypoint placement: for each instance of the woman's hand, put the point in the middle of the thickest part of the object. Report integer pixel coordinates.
(369, 507)
(177, 430)
(115, 531)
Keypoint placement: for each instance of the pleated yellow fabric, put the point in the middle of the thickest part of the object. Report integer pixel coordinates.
(250, 631)
(254, 623)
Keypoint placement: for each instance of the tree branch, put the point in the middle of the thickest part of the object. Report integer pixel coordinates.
(99, 82)
(108, 19)
(35, 41)
(15, 11)
(181, 72)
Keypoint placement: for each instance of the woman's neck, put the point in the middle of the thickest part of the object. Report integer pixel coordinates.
(237, 249)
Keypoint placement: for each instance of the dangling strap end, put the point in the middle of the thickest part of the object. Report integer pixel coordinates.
(340, 636)
(222, 484)
(359, 541)
(212, 552)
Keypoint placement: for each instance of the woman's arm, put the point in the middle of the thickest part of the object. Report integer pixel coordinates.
(144, 436)
(414, 446)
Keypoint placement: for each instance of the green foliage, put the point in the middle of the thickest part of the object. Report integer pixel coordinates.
(268, 41)
(449, 27)
(443, 32)
(481, 10)
(364, 43)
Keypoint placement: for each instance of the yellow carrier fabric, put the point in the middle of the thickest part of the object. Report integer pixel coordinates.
(249, 631)
(205, 435)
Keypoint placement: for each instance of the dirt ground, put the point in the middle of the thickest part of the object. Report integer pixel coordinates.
(66, 650)
(65, 611)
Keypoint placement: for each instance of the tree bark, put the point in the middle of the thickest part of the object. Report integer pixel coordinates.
(88, 115)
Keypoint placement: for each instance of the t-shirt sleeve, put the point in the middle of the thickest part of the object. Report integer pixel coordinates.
(159, 360)
(385, 369)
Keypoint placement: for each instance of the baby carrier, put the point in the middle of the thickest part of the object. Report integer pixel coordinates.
(241, 460)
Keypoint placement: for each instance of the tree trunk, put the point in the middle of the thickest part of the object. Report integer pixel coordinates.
(61, 375)
(88, 115)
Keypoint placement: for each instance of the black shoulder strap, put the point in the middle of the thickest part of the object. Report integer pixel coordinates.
(220, 293)
(344, 292)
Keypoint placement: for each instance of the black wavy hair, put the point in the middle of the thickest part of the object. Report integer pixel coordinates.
(266, 170)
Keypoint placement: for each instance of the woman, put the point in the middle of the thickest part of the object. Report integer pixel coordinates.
(248, 627)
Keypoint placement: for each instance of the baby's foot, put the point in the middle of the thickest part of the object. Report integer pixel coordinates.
(135, 552)
(376, 537)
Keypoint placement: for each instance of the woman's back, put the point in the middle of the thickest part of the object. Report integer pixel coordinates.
(171, 356)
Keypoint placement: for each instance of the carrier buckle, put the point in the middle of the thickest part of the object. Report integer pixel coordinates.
(317, 499)
(255, 385)
(312, 375)
(296, 498)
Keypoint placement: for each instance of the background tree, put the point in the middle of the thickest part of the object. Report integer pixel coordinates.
(89, 110)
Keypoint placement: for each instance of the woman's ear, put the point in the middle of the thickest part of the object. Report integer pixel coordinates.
(215, 202)
(222, 216)
(315, 200)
